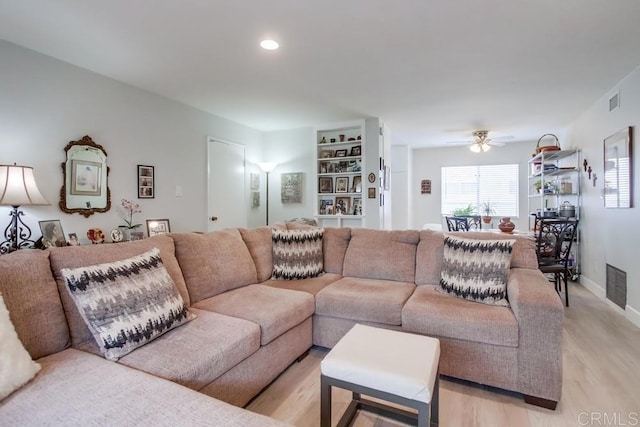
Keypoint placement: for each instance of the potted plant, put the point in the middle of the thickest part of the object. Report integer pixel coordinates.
(487, 211)
(468, 211)
(538, 185)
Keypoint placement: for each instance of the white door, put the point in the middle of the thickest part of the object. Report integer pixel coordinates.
(227, 207)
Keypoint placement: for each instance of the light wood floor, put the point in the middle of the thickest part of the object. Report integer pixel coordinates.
(601, 382)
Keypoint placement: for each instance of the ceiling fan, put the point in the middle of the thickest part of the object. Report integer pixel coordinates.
(481, 142)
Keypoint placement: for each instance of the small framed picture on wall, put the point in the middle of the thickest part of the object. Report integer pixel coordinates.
(146, 182)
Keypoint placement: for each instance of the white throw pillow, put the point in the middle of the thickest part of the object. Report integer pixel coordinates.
(127, 303)
(16, 366)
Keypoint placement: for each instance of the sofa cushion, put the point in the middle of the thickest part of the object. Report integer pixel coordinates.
(31, 295)
(215, 262)
(79, 389)
(429, 257)
(275, 310)
(197, 353)
(16, 366)
(433, 313)
(476, 270)
(260, 245)
(127, 303)
(82, 256)
(382, 254)
(369, 300)
(334, 247)
(297, 254)
(312, 285)
(523, 254)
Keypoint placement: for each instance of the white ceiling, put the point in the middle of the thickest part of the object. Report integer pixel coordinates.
(432, 70)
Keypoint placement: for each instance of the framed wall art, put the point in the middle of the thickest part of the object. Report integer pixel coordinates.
(156, 227)
(291, 187)
(146, 182)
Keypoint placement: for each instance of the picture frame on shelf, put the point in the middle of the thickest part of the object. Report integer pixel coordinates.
(341, 167)
(52, 234)
(357, 206)
(73, 240)
(146, 182)
(156, 227)
(326, 207)
(356, 185)
(343, 205)
(354, 166)
(341, 153)
(342, 184)
(136, 235)
(327, 154)
(356, 150)
(325, 185)
(324, 167)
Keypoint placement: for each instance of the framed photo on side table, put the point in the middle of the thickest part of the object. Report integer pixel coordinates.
(52, 234)
(155, 227)
(146, 182)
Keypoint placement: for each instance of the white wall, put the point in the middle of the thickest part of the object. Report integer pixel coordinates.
(427, 164)
(46, 103)
(610, 235)
(293, 151)
(400, 186)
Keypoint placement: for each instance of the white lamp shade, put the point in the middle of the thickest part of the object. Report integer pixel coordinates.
(18, 186)
(267, 166)
(482, 147)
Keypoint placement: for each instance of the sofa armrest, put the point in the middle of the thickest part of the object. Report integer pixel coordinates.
(540, 313)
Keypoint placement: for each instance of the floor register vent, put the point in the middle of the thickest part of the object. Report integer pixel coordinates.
(617, 286)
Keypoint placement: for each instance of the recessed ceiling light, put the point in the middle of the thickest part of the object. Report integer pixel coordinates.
(269, 44)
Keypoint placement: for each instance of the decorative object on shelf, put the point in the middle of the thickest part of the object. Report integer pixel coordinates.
(137, 235)
(146, 182)
(506, 226)
(545, 148)
(291, 187)
(129, 209)
(52, 234)
(85, 188)
(425, 186)
(326, 207)
(18, 188)
(267, 167)
(372, 192)
(372, 177)
(73, 240)
(618, 162)
(351, 139)
(323, 140)
(341, 137)
(116, 235)
(156, 227)
(327, 154)
(95, 235)
(333, 140)
(567, 210)
(359, 137)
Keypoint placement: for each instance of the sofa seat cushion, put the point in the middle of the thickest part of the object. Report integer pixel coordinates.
(275, 310)
(312, 285)
(75, 388)
(436, 314)
(198, 352)
(368, 300)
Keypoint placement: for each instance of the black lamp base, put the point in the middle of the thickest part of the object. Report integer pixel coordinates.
(17, 234)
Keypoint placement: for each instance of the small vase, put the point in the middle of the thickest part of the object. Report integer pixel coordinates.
(506, 226)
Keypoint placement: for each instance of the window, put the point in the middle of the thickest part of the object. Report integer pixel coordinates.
(474, 185)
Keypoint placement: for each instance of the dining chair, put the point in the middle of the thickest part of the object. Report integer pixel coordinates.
(463, 223)
(553, 247)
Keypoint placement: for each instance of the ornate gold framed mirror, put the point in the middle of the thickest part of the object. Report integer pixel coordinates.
(85, 187)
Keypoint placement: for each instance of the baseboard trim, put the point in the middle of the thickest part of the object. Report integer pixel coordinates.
(630, 313)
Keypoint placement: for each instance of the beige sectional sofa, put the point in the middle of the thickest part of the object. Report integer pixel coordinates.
(249, 328)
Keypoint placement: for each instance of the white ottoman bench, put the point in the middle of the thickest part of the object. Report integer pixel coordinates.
(394, 366)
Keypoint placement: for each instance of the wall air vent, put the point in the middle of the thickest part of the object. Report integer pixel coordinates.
(614, 102)
(617, 286)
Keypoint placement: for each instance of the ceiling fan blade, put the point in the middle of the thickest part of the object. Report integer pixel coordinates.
(460, 142)
(502, 138)
(496, 143)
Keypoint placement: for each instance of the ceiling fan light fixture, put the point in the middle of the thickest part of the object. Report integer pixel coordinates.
(480, 147)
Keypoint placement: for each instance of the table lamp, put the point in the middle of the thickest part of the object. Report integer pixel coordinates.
(18, 188)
